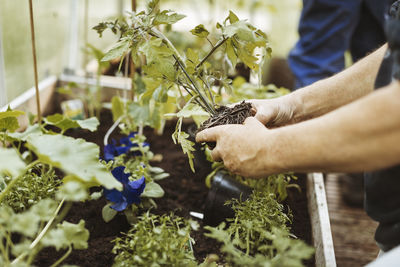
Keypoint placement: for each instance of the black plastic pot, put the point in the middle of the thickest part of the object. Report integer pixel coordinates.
(223, 188)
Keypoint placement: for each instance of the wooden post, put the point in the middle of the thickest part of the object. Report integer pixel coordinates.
(130, 61)
(134, 5)
(39, 113)
(3, 91)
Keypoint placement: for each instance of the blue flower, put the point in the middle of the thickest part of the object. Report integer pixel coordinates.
(130, 193)
(112, 150)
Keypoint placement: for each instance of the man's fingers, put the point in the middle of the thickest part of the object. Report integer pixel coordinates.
(207, 135)
(252, 121)
(263, 115)
(215, 155)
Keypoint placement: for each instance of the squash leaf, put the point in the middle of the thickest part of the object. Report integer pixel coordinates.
(10, 163)
(74, 156)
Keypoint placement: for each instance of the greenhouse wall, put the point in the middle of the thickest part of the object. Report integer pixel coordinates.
(53, 37)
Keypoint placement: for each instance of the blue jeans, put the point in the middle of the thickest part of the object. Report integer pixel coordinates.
(328, 28)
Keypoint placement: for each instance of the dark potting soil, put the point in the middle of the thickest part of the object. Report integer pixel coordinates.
(184, 192)
(227, 115)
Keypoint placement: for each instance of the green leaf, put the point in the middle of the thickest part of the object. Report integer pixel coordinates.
(118, 50)
(140, 114)
(20, 248)
(72, 190)
(190, 110)
(200, 31)
(160, 94)
(153, 190)
(65, 123)
(108, 213)
(248, 59)
(232, 17)
(167, 17)
(230, 51)
(73, 156)
(117, 107)
(151, 5)
(6, 214)
(67, 234)
(156, 170)
(26, 223)
(11, 113)
(45, 209)
(76, 234)
(61, 122)
(192, 59)
(160, 176)
(97, 53)
(182, 138)
(140, 86)
(10, 163)
(154, 50)
(31, 130)
(9, 124)
(90, 124)
(242, 30)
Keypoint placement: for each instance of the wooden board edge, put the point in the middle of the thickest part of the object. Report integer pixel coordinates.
(27, 101)
(320, 224)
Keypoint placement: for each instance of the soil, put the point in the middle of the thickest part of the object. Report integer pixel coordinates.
(184, 192)
(227, 115)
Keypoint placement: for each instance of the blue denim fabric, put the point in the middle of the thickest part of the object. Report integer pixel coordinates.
(328, 28)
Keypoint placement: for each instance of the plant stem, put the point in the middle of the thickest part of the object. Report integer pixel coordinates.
(15, 180)
(4, 251)
(46, 228)
(62, 258)
(221, 42)
(210, 109)
(159, 34)
(209, 90)
(112, 128)
(39, 113)
(40, 236)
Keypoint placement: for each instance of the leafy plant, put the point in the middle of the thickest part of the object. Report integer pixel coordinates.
(130, 164)
(166, 70)
(32, 226)
(40, 199)
(129, 195)
(259, 234)
(39, 182)
(156, 241)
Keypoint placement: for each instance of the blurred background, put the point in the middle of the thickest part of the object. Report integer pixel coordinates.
(62, 27)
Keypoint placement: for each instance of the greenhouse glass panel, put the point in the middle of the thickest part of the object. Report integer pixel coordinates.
(52, 28)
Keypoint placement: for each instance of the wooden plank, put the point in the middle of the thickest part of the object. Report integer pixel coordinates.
(110, 85)
(352, 229)
(27, 102)
(319, 216)
(3, 91)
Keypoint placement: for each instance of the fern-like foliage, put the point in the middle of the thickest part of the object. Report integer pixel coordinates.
(156, 241)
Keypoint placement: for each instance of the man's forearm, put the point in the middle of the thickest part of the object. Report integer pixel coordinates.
(328, 94)
(361, 136)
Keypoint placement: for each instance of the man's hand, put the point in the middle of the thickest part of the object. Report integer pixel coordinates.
(242, 148)
(274, 112)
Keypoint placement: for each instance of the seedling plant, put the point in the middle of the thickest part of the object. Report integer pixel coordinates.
(188, 83)
(33, 199)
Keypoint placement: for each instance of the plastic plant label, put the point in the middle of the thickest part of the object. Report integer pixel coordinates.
(73, 109)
